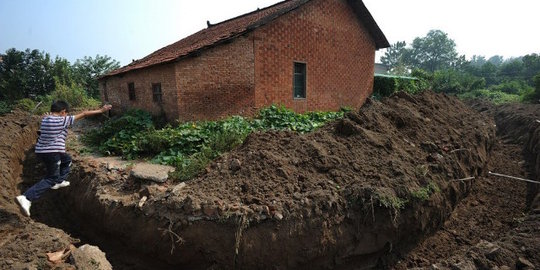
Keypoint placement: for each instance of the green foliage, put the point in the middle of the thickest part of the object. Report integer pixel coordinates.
(391, 202)
(218, 143)
(423, 194)
(396, 55)
(496, 97)
(73, 94)
(5, 107)
(517, 87)
(191, 146)
(281, 118)
(86, 71)
(452, 81)
(537, 86)
(25, 104)
(187, 168)
(534, 95)
(384, 86)
(25, 74)
(433, 52)
(33, 74)
(120, 135)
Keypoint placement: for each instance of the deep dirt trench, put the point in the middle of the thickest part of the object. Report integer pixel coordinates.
(318, 201)
(59, 210)
(493, 207)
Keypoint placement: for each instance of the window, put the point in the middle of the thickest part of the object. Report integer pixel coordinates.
(156, 92)
(299, 80)
(131, 91)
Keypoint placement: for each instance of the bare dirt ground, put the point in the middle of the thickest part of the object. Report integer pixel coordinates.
(376, 190)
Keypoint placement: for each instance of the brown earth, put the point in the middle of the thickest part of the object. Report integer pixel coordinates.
(378, 189)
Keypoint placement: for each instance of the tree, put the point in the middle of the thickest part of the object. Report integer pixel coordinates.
(496, 60)
(11, 75)
(478, 60)
(489, 72)
(87, 70)
(536, 94)
(395, 55)
(62, 71)
(25, 74)
(511, 69)
(434, 52)
(531, 66)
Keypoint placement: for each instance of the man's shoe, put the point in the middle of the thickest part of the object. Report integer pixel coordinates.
(60, 185)
(25, 204)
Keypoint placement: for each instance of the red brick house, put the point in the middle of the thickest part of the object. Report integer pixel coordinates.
(304, 54)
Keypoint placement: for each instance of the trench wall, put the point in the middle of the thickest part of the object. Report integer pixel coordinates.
(520, 124)
(18, 137)
(351, 240)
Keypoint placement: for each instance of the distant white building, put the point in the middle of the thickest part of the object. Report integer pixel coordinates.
(381, 68)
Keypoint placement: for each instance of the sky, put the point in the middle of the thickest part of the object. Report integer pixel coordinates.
(131, 29)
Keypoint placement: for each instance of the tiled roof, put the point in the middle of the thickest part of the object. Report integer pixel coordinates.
(232, 28)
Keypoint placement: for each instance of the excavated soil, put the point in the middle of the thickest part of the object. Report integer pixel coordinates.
(399, 184)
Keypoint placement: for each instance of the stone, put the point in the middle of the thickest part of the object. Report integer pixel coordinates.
(235, 165)
(178, 188)
(523, 263)
(142, 201)
(152, 191)
(90, 257)
(464, 265)
(210, 210)
(151, 172)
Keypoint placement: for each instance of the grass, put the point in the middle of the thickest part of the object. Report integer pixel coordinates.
(424, 193)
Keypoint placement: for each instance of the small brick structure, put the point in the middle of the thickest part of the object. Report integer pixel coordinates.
(326, 48)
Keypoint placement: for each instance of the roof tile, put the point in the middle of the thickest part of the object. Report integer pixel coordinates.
(218, 33)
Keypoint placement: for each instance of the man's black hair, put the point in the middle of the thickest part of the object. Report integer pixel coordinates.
(59, 105)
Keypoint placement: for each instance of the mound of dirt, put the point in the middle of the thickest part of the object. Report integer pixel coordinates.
(386, 150)
(344, 196)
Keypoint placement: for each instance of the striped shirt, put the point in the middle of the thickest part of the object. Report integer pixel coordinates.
(52, 138)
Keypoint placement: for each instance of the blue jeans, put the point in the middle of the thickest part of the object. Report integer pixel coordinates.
(57, 165)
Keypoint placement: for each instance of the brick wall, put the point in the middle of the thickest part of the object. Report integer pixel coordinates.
(116, 88)
(338, 51)
(256, 70)
(217, 83)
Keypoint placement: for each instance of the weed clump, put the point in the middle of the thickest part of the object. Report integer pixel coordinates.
(191, 146)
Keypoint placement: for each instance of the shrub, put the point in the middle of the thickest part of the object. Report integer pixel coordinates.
(496, 97)
(534, 94)
(75, 95)
(5, 107)
(384, 86)
(451, 81)
(191, 146)
(423, 194)
(120, 135)
(25, 104)
(517, 87)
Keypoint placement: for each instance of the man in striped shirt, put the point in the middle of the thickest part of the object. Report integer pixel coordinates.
(51, 149)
